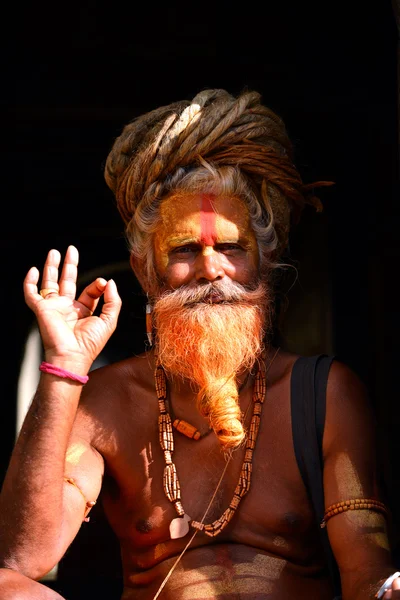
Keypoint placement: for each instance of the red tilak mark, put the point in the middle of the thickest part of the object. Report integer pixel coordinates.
(207, 221)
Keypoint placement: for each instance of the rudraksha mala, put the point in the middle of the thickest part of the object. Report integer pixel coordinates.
(170, 479)
(353, 504)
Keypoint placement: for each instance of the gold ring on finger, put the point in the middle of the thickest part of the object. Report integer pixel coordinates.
(46, 291)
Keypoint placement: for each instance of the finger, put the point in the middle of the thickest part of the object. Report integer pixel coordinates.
(69, 273)
(50, 271)
(92, 293)
(31, 293)
(112, 305)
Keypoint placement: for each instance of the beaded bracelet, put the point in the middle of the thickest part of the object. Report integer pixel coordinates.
(353, 504)
(88, 503)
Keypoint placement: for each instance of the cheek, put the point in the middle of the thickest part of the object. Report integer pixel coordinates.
(243, 269)
(246, 270)
(245, 274)
(174, 273)
(177, 274)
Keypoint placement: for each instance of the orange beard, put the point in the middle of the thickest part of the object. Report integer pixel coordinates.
(208, 334)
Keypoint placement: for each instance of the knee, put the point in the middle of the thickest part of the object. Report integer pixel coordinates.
(15, 586)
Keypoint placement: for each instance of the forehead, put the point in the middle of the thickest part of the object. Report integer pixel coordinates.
(199, 213)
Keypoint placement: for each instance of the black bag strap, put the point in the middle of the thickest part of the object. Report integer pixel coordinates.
(308, 407)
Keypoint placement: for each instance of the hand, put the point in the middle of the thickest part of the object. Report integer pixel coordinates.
(71, 333)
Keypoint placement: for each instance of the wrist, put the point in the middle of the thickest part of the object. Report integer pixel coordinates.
(56, 371)
(69, 363)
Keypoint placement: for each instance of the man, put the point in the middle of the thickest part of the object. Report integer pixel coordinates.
(191, 442)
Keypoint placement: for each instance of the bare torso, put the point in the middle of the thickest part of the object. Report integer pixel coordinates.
(269, 550)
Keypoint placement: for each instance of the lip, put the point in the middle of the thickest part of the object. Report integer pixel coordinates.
(214, 299)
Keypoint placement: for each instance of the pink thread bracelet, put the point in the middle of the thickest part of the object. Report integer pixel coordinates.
(59, 372)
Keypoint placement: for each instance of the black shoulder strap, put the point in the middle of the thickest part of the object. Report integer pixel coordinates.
(308, 407)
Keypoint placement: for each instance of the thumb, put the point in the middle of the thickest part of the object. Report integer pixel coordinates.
(112, 304)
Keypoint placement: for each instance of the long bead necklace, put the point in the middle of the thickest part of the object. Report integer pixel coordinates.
(179, 527)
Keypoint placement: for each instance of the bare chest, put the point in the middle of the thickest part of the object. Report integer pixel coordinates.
(274, 515)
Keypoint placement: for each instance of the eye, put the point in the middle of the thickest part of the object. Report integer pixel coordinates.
(184, 249)
(229, 248)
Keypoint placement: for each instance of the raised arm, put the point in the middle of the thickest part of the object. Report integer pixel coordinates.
(40, 512)
(359, 538)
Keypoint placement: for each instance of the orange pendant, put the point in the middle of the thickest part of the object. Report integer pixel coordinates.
(187, 429)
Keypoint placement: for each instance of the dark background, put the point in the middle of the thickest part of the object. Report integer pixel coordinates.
(73, 75)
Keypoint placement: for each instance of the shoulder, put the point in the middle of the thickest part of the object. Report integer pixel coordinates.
(344, 382)
(135, 372)
(346, 391)
(349, 410)
(115, 389)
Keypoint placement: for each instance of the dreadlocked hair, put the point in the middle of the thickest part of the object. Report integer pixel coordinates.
(215, 143)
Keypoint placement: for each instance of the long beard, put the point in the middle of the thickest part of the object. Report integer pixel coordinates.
(208, 334)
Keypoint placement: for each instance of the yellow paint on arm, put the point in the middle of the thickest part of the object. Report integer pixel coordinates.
(75, 453)
(371, 524)
(348, 481)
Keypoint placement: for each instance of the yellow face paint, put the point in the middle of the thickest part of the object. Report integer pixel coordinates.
(204, 220)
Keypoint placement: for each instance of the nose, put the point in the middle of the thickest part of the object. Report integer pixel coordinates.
(209, 265)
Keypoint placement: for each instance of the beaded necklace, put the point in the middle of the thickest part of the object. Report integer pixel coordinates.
(179, 526)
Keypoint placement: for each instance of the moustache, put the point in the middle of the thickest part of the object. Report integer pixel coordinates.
(219, 292)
